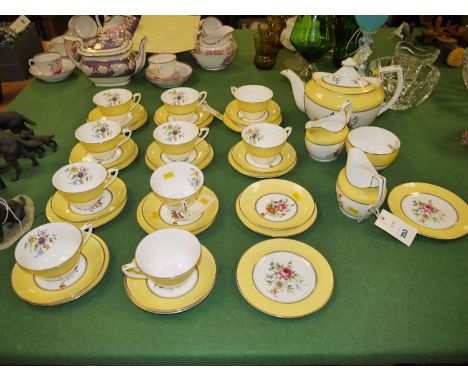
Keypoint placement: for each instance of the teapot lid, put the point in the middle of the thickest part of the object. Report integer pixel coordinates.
(104, 45)
(346, 76)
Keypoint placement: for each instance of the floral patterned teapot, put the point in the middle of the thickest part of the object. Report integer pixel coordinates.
(325, 92)
(106, 60)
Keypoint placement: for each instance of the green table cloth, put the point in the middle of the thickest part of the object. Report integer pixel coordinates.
(391, 304)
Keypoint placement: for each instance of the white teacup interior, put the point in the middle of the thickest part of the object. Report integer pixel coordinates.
(168, 253)
(253, 93)
(180, 96)
(176, 180)
(48, 246)
(79, 177)
(46, 57)
(264, 135)
(112, 97)
(98, 131)
(162, 58)
(176, 133)
(374, 140)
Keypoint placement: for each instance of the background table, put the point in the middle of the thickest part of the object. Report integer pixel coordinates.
(391, 304)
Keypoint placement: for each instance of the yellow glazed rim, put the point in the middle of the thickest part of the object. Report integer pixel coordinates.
(150, 206)
(138, 292)
(304, 202)
(315, 301)
(323, 137)
(272, 232)
(140, 116)
(129, 154)
(97, 258)
(232, 126)
(204, 118)
(274, 112)
(460, 229)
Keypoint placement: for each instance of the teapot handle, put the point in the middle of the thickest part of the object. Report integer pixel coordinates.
(399, 88)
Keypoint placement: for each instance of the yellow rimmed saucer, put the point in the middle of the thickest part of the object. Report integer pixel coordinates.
(140, 294)
(129, 153)
(153, 215)
(434, 211)
(96, 255)
(203, 155)
(284, 278)
(202, 119)
(287, 232)
(140, 116)
(239, 127)
(276, 204)
(272, 114)
(237, 157)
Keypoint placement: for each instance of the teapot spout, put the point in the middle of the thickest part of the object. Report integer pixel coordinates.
(298, 88)
(141, 56)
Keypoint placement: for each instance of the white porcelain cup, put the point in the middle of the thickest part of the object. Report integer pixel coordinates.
(116, 103)
(163, 65)
(48, 63)
(182, 102)
(177, 184)
(252, 100)
(167, 257)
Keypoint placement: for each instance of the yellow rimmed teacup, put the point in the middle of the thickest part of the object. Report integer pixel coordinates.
(102, 138)
(252, 100)
(51, 251)
(83, 183)
(116, 102)
(167, 257)
(177, 139)
(182, 101)
(264, 141)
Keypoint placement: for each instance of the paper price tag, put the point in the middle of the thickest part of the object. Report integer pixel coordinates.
(396, 227)
(20, 24)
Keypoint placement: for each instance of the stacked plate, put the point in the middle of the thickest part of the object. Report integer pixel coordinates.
(276, 208)
(235, 119)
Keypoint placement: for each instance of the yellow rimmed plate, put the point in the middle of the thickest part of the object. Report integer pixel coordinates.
(139, 293)
(276, 204)
(234, 114)
(284, 278)
(434, 211)
(204, 118)
(275, 232)
(239, 127)
(150, 220)
(129, 154)
(140, 116)
(238, 154)
(204, 155)
(97, 258)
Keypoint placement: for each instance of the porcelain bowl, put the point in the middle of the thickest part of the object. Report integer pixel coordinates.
(215, 58)
(380, 145)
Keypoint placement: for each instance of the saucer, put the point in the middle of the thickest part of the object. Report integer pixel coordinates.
(143, 297)
(202, 118)
(238, 127)
(94, 255)
(138, 117)
(240, 161)
(237, 116)
(284, 278)
(58, 209)
(202, 156)
(434, 211)
(124, 157)
(67, 69)
(183, 73)
(174, 292)
(153, 215)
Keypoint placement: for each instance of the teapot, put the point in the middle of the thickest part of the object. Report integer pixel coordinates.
(325, 92)
(360, 189)
(106, 60)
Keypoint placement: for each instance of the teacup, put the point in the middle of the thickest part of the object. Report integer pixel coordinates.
(380, 146)
(182, 102)
(116, 102)
(83, 183)
(178, 139)
(264, 141)
(163, 65)
(48, 63)
(177, 184)
(57, 44)
(252, 100)
(52, 250)
(102, 138)
(167, 257)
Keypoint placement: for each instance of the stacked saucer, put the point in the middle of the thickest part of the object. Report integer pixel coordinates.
(67, 69)
(182, 73)
(276, 208)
